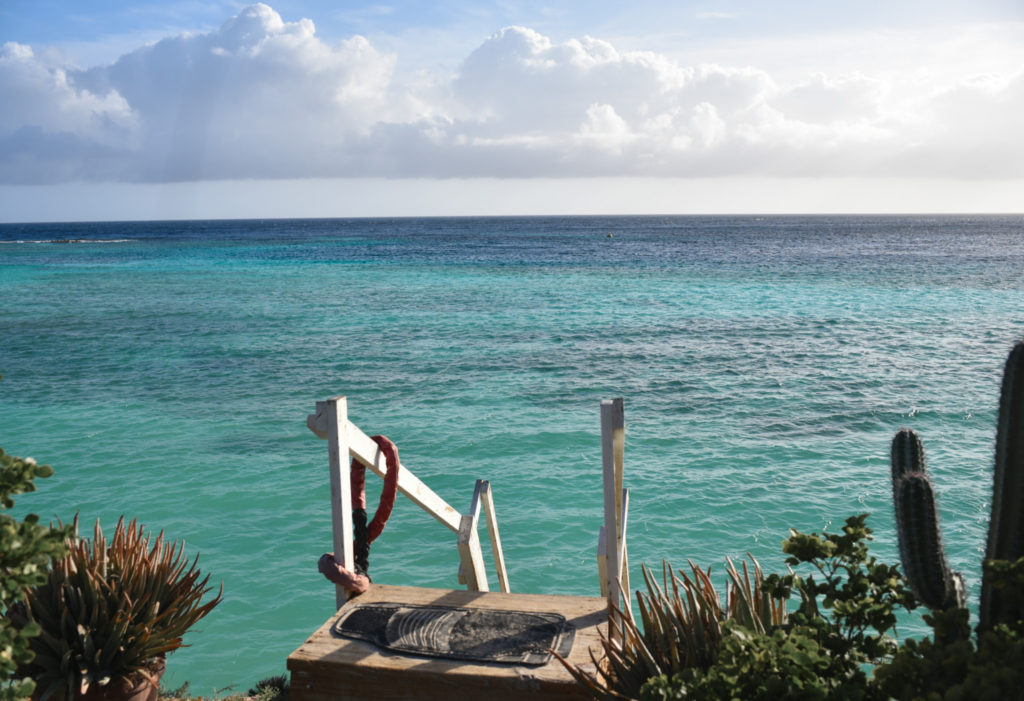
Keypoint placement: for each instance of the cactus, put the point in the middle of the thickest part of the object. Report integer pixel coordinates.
(920, 540)
(917, 525)
(1006, 526)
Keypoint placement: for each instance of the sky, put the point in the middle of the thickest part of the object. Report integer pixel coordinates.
(182, 109)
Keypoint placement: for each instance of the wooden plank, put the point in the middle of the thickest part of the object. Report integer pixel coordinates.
(623, 559)
(367, 452)
(471, 556)
(325, 667)
(336, 412)
(623, 573)
(492, 529)
(619, 449)
(612, 419)
(602, 561)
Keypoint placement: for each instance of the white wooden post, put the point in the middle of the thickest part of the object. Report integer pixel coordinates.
(336, 412)
(470, 554)
(613, 426)
(602, 561)
(492, 528)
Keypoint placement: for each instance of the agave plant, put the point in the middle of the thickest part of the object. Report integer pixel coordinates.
(680, 627)
(111, 612)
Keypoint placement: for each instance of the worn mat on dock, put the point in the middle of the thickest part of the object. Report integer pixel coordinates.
(487, 635)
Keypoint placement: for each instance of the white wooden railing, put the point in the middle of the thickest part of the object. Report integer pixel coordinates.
(344, 440)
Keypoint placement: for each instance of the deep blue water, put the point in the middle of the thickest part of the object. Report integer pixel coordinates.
(165, 370)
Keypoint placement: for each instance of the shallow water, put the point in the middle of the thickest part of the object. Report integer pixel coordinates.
(166, 374)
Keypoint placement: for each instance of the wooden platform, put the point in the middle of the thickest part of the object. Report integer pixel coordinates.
(330, 667)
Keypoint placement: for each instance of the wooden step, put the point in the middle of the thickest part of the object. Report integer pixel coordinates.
(327, 666)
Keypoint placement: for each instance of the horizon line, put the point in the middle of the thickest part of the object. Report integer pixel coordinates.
(686, 215)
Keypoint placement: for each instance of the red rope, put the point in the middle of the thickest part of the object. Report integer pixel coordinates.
(357, 479)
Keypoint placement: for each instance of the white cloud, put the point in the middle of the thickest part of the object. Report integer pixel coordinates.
(261, 97)
(50, 128)
(971, 128)
(39, 93)
(605, 129)
(707, 125)
(258, 97)
(826, 100)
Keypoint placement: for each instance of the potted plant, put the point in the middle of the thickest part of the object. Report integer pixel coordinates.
(109, 614)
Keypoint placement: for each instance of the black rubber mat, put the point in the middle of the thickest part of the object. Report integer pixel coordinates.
(483, 635)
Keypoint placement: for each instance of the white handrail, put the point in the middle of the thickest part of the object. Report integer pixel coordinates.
(345, 439)
(367, 452)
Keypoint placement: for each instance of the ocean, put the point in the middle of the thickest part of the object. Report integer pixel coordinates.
(165, 371)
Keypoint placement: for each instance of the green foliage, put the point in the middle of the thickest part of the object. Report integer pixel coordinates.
(837, 644)
(859, 594)
(110, 612)
(990, 668)
(25, 551)
(841, 626)
(951, 665)
(681, 627)
(275, 688)
(784, 664)
(271, 689)
(691, 647)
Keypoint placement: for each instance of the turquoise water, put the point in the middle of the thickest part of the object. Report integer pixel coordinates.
(165, 370)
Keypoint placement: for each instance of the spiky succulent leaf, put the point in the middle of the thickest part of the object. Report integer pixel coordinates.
(680, 627)
(109, 609)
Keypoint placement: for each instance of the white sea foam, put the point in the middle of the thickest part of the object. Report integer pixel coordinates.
(24, 241)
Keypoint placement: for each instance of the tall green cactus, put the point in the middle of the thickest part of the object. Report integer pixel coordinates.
(1006, 526)
(920, 541)
(917, 525)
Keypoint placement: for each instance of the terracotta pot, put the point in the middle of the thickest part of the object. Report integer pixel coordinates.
(141, 686)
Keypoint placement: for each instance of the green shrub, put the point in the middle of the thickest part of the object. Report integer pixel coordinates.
(953, 665)
(783, 664)
(271, 689)
(837, 644)
(26, 548)
(821, 651)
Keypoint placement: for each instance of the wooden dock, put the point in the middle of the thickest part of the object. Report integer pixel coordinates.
(328, 666)
(390, 657)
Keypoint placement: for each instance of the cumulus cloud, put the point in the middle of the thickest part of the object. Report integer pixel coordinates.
(977, 124)
(52, 129)
(262, 97)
